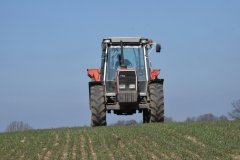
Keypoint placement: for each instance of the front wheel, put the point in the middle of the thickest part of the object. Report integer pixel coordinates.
(156, 102)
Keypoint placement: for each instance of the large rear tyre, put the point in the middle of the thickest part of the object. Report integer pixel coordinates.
(98, 107)
(156, 102)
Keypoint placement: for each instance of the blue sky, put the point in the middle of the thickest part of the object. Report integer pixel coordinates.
(46, 47)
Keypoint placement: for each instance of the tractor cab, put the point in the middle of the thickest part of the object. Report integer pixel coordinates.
(124, 58)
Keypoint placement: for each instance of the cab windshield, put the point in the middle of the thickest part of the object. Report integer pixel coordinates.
(133, 58)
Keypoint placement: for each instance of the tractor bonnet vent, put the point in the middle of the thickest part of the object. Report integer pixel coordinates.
(127, 78)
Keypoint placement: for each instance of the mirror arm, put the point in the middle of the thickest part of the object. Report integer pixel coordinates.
(153, 46)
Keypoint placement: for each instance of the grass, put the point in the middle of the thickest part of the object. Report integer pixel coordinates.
(195, 140)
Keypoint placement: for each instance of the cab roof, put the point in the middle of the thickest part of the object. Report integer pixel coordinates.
(125, 40)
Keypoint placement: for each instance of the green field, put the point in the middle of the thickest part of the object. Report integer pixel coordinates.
(195, 140)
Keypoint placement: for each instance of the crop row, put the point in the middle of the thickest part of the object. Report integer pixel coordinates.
(199, 140)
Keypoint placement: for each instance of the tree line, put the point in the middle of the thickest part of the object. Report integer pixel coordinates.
(233, 115)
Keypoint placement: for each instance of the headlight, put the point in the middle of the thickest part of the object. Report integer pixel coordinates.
(144, 41)
(132, 86)
(122, 86)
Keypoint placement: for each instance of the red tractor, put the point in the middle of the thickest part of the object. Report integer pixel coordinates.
(125, 83)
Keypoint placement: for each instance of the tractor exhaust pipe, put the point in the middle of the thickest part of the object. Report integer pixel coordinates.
(122, 63)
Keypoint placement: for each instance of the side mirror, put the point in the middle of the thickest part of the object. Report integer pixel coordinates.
(158, 47)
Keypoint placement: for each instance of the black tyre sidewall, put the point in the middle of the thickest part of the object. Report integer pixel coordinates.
(98, 108)
(156, 102)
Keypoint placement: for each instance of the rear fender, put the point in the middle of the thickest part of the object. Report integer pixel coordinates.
(155, 73)
(94, 74)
